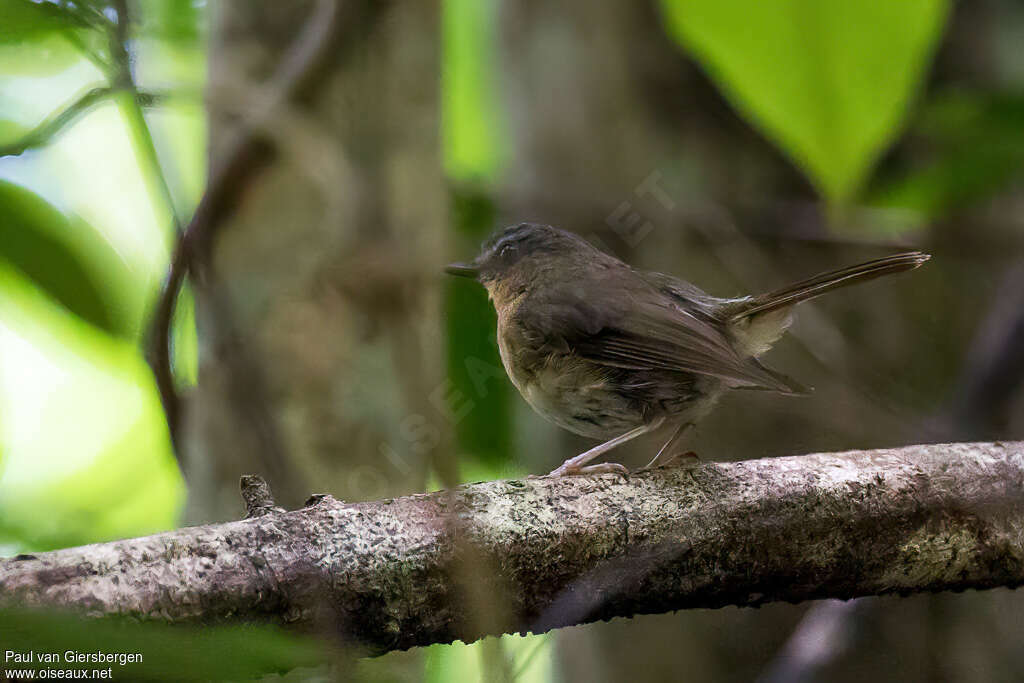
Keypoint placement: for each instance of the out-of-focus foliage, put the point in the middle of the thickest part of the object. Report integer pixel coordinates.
(485, 432)
(87, 454)
(42, 38)
(83, 248)
(168, 653)
(184, 342)
(516, 658)
(471, 111)
(28, 20)
(67, 259)
(174, 21)
(474, 157)
(828, 82)
(50, 54)
(975, 144)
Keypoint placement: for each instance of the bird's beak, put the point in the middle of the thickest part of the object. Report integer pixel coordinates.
(462, 270)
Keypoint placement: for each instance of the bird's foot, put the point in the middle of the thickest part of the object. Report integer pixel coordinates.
(569, 469)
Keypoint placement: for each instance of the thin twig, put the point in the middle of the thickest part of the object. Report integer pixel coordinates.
(131, 107)
(52, 125)
(45, 131)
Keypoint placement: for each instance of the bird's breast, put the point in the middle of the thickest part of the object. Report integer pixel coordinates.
(571, 392)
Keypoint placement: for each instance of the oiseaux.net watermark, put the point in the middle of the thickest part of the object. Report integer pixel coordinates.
(29, 665)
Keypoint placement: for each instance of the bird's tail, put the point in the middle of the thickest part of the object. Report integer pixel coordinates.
(826, 282)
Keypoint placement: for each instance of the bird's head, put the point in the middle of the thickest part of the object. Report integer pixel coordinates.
(516, 256)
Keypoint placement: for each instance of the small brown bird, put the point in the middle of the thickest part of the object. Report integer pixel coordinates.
(612, 352)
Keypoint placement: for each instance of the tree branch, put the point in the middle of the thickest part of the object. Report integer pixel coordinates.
(554, 552)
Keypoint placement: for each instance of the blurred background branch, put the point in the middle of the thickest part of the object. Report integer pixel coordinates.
(244, 158)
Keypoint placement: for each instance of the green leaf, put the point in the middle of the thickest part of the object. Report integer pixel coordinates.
(43, 38)
(40, 55)
(828, 81)
(176, 21)
(66, 258)
(975, 146)
(165, 653)
(22, 20)
(11, 132)
(185, 341)
(87, 456)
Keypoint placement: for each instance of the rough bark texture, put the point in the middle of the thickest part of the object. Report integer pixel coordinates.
(393, 574)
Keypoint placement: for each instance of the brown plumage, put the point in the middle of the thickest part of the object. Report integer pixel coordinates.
(611, 352)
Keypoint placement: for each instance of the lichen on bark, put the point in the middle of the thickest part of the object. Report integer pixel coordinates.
(546, 552)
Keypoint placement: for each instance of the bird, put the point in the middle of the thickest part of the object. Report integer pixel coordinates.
(613, 352)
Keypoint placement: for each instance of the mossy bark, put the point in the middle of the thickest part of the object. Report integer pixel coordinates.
(397, 573)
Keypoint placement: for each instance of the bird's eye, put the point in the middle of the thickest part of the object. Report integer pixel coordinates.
(507, 251)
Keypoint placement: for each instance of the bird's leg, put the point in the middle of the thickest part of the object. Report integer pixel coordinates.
(669, 445)
(576, 465)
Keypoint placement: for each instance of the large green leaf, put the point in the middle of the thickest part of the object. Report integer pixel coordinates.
(828, 81)
(87, 456)
(65, 257)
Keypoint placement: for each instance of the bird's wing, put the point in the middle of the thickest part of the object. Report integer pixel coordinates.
(637, 326)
